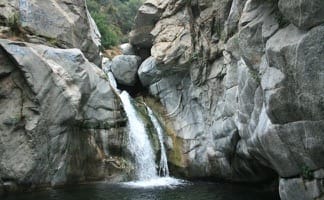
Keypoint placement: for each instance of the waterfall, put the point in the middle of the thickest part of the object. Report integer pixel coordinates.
(140, 146)
(163, 167)
(112, 82)
(104, 138)
(139, 143)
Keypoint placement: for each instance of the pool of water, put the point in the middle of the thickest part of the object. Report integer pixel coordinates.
(187, 191)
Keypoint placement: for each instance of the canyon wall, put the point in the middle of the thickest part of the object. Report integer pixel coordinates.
(241, 83)
(243, 86)
(60, 121)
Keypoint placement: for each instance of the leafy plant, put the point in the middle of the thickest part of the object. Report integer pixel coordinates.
(255, 75)
(114, 19)
(307, 173)
(194, 56)
(13, 23)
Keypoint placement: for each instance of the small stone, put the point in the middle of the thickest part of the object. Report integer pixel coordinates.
(319, 174)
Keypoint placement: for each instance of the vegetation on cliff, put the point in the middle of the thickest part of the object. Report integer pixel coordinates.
(114, 18)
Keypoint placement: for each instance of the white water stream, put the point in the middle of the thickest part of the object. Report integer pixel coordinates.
(163, 167)
(138, 142)
(140, 146)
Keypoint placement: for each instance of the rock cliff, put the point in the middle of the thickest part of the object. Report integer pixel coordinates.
(243, 85)
(241, 82)
(60, 121)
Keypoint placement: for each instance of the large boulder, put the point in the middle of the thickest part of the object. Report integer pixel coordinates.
(304, 14)
(66, 24)
(148, 14)
(148, 73)
(54, 105)
(124, 68)
(127, 49)
(172, 47)
(301, 188)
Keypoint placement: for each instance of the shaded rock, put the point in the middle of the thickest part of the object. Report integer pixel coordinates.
(124, 68)
(319, 174)
(147, 15)
(297, 55)
(53, 103)
(232, 21)
(304, 14)
(297, 188)
(293, 151)
(148, 73)
(66, 24)
(255, 24)
(1, 189)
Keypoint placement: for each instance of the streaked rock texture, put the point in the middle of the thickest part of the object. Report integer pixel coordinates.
(66, 24)
(55, 106)
(242, 84)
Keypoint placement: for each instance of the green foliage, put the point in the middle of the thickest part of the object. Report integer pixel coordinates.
(307, 173)
(13, 23)
(114, 18)
(255, 75)
(194, 56)
(110, 35)
(13, 120)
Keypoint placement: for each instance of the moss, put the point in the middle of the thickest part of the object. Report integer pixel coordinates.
(153, 137)
(255, 75)
(53, 41)
(175, 155)
(194, 56)
(104, 76)
(307, 173)
(13, 22)
(13, 120)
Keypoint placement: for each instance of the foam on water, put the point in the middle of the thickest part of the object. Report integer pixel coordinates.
(156, 182)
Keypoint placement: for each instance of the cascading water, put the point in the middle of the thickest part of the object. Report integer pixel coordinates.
(104, 138)
(163, 167)
(139, 143)
(140, 146)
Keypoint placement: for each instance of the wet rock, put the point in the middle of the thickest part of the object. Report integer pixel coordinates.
(106, 65)
(297, 188)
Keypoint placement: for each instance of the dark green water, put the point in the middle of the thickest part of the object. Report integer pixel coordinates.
(102, 191)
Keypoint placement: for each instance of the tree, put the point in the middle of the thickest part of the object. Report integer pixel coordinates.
(114, 18)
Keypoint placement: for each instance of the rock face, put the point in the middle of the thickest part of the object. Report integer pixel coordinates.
(241, 82)
(148, 73)
(66, 24)
(55, 105)
(303, 14)
(243, 85)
